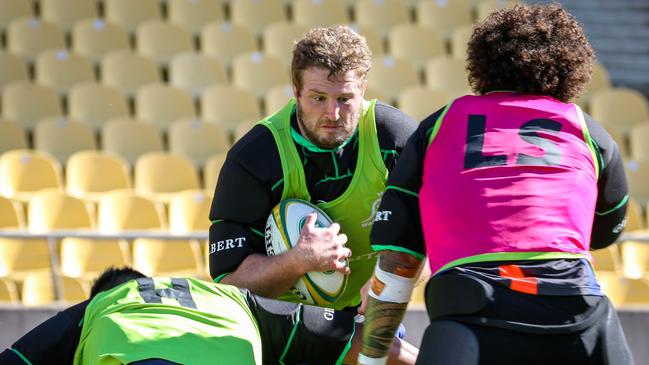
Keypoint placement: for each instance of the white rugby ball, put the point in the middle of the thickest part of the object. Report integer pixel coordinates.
(283, 228)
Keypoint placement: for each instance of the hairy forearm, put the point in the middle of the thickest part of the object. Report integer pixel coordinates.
(400, 353)
(384, 315)
(267, 276)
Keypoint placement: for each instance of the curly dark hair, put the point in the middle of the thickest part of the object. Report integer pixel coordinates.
(531, 49)
(113, 277)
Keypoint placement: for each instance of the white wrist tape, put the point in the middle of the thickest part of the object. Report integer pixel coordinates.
(395, 289)
(365, 360)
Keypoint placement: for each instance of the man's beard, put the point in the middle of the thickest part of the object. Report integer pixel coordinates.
(313, 137)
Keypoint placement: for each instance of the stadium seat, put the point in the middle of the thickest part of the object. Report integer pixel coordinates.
(600, 80)
(420, 102)
(258, 73)
(320, 13)
(635, 257)
(130, 138)
(159, 175)
(197, 141)
(94, 38)
(443, 16)
(161, 105)
(19, 258)
(486, 7)
(61, 137)
(24, 172)
(13, 9)
(12, 68)
(28, 37)
(373, 38)
(127, 71)
(11, 136)
(91, 174)
(12, 215)
(87, 258)
(637, 293)
(8, 292)
(65, 13)
(94, 104)
(53, 209)
(38, 289)
(372, 93)
(189, 211)
(277, 97)
(229, 105)
(634, 220)
(160, 40)
(130, 14)
(621, 139)
(447, 74)
(242, 129)
(27, 103)
(193, 15)
(224, 41)
(279, 40)
(124, 210)
(257, 15)
(607, 259)
(391, 75)
(638, 137)
(381, 15)
(619, 108)
(459, 41)
(61, 70)
(168, 258)
(211, 171)
(613, 285)
(194, 72)
(415, 44)
(637, 173)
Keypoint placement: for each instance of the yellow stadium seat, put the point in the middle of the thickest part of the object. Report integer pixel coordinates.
(229, 105)
(124, 210)
(87, 258)
(12, 68)
(637, 173)
(161, 105)
(92, 174)
(24, 172)
(159, 175)
(600, 80)
(607, 259)
(258, 73)
(637, 293)
(130, 138)
(310, 13)
(38, 289)
(94, 38)
(638, 137)
(161, 40)
(193, 15)
(613, 285)
(256, 15)
(381, 15)
(277, 97)
(634, 220)
(620, 139)
(619, 108)
(19, 258)
(12, 136)
(486, 7)
(459, 41)
(51, 210)
(279, 40)
(61, 137)
(189, 211)
(443, 16)
(373, 38)
(12, 215)
(447, 74)
(127, 71)
(224, 41)
(635, 257)
(27, 103)
(211, 171)
(28, 37)
(94, 104)
(130, 14)
(8, 291)
(420, 102)
(61, 70)
(65, 13)
(415, 44)
(372, 93)
(13, 9)
(169, 258)
(242, 129)
(197, 141)
(194, 72)
(391, 75)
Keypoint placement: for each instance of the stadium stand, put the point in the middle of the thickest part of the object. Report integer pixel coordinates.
(86, 258)
(419, 101)
(94, 38)
(229, 105)
(28, 37)
(38, 289)
(158, 175)
(24, 172)
(447, 74)
(13, 9)
(91, 174)
(619, 108)
(94, 104)
(124, 210)
(309, 13)
(278, 40)
(8, 292)
(160, 40)
(277, 97)
(162, 104)
(256, 15)
(197, 141)
(381, 15)
(130, 14)
(258, 72)
(61, 70)
(12, 68)
(54, 209)
(415, 43)
(61, 137)
(443, 16)
(130, 139)
(390, 75)
(225, 41)
(65, 13)
(211, 171)
(127, 71)
(194, 72)
(11, 136)
(195, 14)
(27, 103)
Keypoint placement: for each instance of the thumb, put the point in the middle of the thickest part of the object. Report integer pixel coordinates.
(310, 220)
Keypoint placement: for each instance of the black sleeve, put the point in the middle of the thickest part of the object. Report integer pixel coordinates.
(393, 127)
(610, 210)
(247, 189)
(296, 333)
(51, 342)
(400, 223)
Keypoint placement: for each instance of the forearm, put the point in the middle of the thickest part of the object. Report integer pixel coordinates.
(400, 353)
(267, 276)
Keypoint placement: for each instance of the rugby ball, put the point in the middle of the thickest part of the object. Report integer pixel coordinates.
(283, 228)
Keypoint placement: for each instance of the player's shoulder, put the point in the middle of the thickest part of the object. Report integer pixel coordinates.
(393, 125)
(254, 147)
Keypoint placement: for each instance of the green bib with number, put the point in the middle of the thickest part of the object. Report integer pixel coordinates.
(355, 209)
(184, 320)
